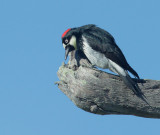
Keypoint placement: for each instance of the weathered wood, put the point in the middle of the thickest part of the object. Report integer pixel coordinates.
(102, 93)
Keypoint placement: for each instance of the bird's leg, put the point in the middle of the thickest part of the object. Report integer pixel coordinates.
(82, 59)
(77, 59)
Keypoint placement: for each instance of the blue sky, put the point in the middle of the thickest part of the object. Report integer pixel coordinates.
(31, 53)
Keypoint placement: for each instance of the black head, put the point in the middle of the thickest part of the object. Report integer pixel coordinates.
(69, 41)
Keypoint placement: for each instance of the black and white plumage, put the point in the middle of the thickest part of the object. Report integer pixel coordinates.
(102, 51)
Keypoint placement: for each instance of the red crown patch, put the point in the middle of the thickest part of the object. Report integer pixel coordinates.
(65, 32)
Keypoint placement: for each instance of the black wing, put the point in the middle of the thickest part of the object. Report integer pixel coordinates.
(100, 40)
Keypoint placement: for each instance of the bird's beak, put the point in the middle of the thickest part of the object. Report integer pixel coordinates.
(68, 49)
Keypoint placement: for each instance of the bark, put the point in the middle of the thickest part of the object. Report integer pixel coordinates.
(102, 93)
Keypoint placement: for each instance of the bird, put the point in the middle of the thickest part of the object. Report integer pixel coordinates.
(100, 48)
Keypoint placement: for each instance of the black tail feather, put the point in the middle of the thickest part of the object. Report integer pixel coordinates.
(130, 69)
(134, 87)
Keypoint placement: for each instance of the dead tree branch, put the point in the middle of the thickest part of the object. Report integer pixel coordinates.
(98, 92)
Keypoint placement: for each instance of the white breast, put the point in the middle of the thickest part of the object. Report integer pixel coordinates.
(96, 58)
(100, 60)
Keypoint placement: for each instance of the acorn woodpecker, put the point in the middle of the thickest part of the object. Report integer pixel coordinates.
(102, 51)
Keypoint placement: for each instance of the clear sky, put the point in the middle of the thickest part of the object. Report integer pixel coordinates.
(31, 53)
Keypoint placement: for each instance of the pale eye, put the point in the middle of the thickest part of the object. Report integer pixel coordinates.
(66, 41)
